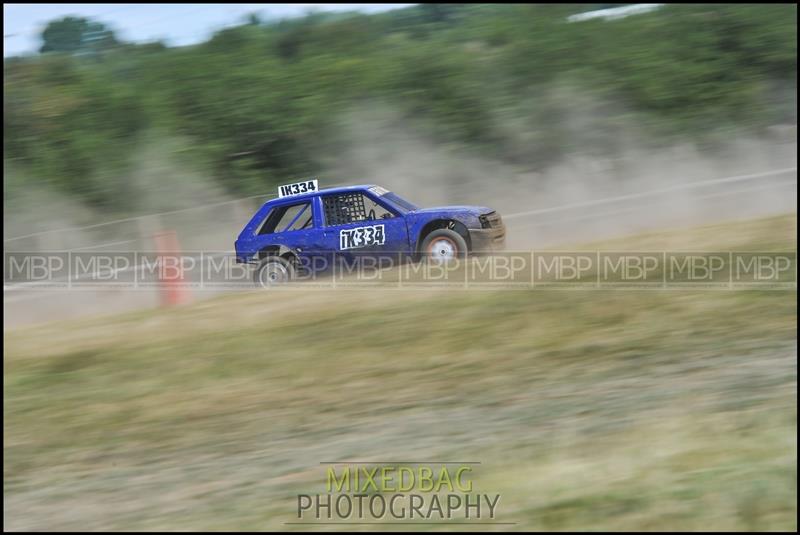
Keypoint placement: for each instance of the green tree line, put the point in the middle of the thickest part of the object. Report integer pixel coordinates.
(260, 101)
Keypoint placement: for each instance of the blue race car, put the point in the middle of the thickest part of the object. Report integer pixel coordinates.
(305, 224)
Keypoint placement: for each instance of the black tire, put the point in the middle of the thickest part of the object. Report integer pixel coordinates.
(272, 271)
(443, 245)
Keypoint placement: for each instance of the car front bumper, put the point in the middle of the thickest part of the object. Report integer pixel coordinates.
(488, 240)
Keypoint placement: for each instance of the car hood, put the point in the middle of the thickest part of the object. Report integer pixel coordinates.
(471, 210)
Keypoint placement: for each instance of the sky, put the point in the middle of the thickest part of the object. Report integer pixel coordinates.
(176, 24)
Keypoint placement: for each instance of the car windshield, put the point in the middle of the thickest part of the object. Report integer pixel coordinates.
(399, 201)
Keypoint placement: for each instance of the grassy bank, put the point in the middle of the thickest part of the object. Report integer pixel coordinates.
(588, 410)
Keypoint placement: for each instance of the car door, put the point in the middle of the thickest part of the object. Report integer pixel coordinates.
(291, 224)
(357, 224)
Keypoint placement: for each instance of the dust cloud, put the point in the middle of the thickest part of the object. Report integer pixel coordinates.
(606, 160)
(554, 205)
(164, 192)
(398, 154)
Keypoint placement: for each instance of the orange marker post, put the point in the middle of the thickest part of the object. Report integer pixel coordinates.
(170, 272)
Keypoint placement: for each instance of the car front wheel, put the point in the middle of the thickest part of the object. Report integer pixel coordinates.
(443, 245)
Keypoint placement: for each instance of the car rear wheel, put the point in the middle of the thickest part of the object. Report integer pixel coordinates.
(443, 245)
(273, 271)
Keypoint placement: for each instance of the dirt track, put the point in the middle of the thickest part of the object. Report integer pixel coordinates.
(553, 227)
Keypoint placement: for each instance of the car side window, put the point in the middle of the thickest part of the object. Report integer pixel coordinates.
(290, 217)
(376, 211)
(352, 207)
